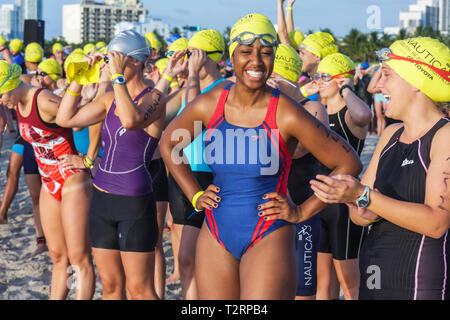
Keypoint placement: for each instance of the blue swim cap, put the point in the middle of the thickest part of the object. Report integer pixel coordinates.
(173, 38)
(365, 65)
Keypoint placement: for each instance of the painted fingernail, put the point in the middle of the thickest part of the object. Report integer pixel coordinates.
(260, 214)
(217, 199)
(259, 207)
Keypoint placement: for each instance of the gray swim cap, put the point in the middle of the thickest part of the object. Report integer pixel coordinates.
(132, 44)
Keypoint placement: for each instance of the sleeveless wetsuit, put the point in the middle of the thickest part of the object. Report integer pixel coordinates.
(49, 142)
(180, 206)
(124, 217)
(339, 235)
(308, 232)
(408, 265)
(247, 163)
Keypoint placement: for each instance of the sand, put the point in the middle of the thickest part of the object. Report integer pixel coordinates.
(24, 277)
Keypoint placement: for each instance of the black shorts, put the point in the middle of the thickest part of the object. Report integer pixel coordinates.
(339, 235)
(123, 223)
(182, 211)
(159, 177)
(30, 165)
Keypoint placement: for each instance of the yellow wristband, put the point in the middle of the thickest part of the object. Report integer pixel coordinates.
(72, 93)
(116, 75)
(288, 8)
(195, 198)
(168, 78)
(174, 84)
(87, 162)
(304, 93)
(373, 221)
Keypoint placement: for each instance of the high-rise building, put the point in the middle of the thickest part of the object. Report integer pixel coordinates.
(9, 21)
(444, 13)
(145, 24)
(93, 21)
(425, 13)
(29, 10)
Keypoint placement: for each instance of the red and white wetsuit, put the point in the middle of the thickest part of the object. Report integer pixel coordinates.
(49, 142)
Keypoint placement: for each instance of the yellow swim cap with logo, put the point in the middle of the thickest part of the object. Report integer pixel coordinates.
(2, 40)
(320, 43)
(296, 37)
(34, 52)
(15, 45)
(288, 63)
(337, 64)
(253, 22)
(9, 76)
(52, 68)
(209, 40)
(424, 78)
(57, 47)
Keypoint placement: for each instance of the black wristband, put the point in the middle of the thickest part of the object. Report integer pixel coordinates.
(345, 86)
(4, 48)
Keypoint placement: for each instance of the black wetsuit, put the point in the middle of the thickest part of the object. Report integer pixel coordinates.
(339, 235)
(396, 263)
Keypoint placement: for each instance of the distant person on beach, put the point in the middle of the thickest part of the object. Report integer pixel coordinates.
(64, 197)
(404, 195)
(249, 230)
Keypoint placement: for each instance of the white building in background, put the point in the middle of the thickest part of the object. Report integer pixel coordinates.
(424, 13)
(145, 24)
(9, 21)
(444, 13)
(94, 21)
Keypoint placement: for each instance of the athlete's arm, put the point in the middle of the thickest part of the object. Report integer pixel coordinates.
(173, 104)
(320, 113)
(6, 54)
(324, 144)
(372, 87)
(290, 16)
(432, 218)
(282, 30)
(180, 133)
(358, 110)
(196, 62)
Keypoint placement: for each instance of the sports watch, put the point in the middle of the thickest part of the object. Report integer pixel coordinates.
(345, 86)
(364, 200)
(119, 80)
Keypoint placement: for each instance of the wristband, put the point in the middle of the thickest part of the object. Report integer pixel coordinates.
(304, 93)
(88, 162)
(195, 198)
(373, 221)
(116, 75)
(346, 86)
(72, 93)
(288, 8)
(168, 78)
(174, 84)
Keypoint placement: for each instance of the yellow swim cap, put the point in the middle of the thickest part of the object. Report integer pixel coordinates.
(34, 52)
(79, 71)
(209, 40)
(430, 51)
(52, 68)
(2, 40)
(253, 22)
(57, 47)
(320, 43)
(9, 76)
(100, 44)
(161, 64)
(16, 45)
(288, 63)
(88, 48)
(296, 37)
(153, 40)
(337, 65)
(179, 44)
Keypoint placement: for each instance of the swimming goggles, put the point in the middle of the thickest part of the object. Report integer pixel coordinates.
(328, 77)
(386, 54)
(189, 53)
(44, 74)
(248, 38)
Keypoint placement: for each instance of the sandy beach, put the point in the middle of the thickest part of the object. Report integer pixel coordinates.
(24, 277)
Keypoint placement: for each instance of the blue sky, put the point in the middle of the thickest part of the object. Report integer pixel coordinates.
(338, 15)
